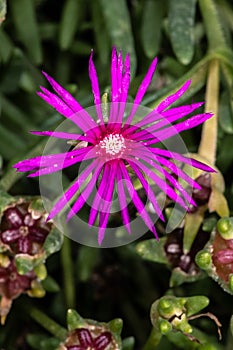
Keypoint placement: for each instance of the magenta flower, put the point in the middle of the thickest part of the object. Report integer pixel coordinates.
(85, 341)
(22, 232)
(118, 145)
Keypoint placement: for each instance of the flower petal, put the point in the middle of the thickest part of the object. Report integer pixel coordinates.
(185, 125)
(95, 88)
(147, 188)
(73, 189)
(102, 341)
(106, 202)
(137, 201)
(172, 98)
(63, 135)
(85, 338)
(142, 89)
(176, 156)
(70, 101)
(85, 193)
(10, 236)
(164, 186)
(63, 163)
(122, 200)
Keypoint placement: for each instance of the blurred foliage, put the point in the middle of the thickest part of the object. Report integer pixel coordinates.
(57, 36)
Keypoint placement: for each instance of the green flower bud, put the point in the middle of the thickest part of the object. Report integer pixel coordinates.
(203, 259)
(225, 227)
(164, 326)
(231, 282)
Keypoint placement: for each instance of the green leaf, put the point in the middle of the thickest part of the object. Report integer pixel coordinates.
(24, 16)
(74, 320)
(151, 27)
(71, 17)
(195, 304)
(118, 24)
(212, 22)
(2, 10)
(53, 242)
(179, 277)
(226, 112)
(87, 259)
(128, 343)
(26, 263)
(50, 285)
(41, 342)
(152, 250)
(198, 76)
(181, 18)
(6, 46)
(101, 35)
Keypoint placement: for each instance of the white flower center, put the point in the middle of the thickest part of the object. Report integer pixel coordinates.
(113, 144)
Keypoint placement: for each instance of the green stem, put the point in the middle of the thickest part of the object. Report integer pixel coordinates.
(212, 24)
(208, 144)
(68, 274)
(153, 340)
(48, 324)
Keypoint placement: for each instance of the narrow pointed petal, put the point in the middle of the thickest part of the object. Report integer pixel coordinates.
(176, 156)
(137, 202)
(98, 200)
(165, 121)
(178, 172)
(142, 89)
(85, 194)
(114, 74)
(119, 74)
(160, 182)
(57, 104)
(185, 125)
(114, 91)
(172, 98)
(148, 190)
(73, 189)
(106, 205)
(62, 135)
(122, 201)
(70, 100)
(125, 83)
(64, 163)
(95, 88)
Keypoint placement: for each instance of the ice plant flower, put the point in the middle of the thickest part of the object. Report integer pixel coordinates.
(22, 230)
(12, 284)
(118, 146)
(82, 339)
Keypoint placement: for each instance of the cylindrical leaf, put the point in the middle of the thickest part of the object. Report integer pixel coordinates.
(151, 27)
(181, 18)
(24, 15)
(117, 19)
(70, 20)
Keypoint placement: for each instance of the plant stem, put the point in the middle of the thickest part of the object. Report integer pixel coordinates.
(68, 273)
(208, 144)
(212, 24)
(46, 322)
(153, 340)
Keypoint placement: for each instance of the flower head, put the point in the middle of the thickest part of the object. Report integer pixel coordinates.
(23, 230)
(119, 146)
(82, 339)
